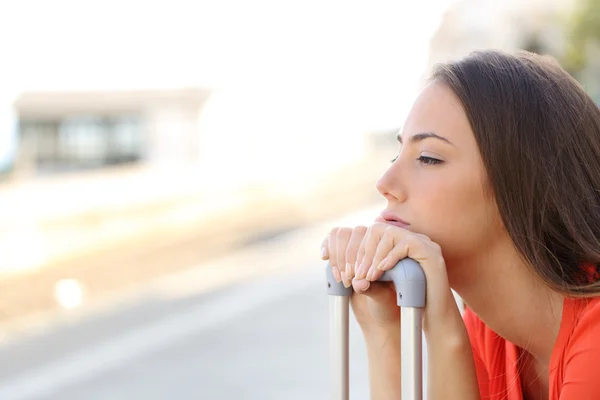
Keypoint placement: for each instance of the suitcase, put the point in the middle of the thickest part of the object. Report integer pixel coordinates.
(409, 282)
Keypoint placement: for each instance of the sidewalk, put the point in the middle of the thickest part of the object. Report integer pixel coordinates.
(124, 245)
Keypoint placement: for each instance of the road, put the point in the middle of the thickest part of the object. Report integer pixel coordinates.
(252, 325)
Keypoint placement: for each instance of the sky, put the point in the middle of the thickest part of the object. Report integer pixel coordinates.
(301, 67)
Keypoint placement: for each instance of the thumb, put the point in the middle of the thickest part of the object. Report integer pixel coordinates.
(377, 291)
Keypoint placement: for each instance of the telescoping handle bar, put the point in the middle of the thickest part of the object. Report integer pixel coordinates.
(410, 285)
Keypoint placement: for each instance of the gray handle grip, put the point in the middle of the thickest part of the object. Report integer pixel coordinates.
(334, 288)
(407, 275)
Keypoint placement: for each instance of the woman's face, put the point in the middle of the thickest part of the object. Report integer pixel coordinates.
(436, 183)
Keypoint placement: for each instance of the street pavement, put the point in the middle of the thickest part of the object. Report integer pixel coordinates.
(252, 325)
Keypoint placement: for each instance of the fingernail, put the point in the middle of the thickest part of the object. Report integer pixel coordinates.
(382, 264)
(361, 271)
(349, 267)
(336, 274)
(361, 283)
(366, 287)
(345, 280)
(370, 275)
(323, 252)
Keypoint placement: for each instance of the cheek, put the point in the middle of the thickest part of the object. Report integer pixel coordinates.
(456, 214)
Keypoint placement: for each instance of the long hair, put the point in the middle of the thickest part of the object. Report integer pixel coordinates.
(538, 133)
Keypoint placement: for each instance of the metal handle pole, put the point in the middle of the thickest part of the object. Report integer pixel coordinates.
(411, 353)
(338, 345)
(410, 286)
(339, 300)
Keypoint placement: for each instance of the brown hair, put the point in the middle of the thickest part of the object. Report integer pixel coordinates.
(539, 137)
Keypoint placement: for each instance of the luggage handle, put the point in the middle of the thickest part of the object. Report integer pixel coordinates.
(410, 286)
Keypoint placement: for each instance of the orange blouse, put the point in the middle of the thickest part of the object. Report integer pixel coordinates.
(574, 364)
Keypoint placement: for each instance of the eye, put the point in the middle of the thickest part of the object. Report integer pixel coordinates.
(429, 160)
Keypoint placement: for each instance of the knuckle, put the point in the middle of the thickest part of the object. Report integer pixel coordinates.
(352, 249)
(378, 227)
(344, 232)
(433, 246)
(375, 227)
(440, 260)
(350, 254)
(389, 229)
(416, 243)
(436, 247)
(422, 237)
(360, 254)
(413, 240)
(360, 230)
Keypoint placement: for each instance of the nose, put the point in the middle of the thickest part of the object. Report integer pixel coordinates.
(390, 186)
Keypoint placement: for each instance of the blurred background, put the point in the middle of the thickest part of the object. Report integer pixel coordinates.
(168, 170)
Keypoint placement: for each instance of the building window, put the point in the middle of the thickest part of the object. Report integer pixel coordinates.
(81, 142)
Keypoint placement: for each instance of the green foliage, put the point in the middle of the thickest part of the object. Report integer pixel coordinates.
(583, 27)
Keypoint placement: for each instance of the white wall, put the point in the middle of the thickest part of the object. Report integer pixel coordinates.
(173, 135)
(479, 24)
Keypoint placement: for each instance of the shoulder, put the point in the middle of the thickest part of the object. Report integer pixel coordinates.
(489, 350)
(586, 324)
(486, 344)
(578, 377)
(479, 333)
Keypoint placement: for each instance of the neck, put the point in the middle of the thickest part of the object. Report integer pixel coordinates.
(499, 287)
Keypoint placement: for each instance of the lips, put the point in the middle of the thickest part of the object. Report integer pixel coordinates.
(389, 217)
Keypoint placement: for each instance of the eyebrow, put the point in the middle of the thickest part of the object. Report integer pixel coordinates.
(424, 135)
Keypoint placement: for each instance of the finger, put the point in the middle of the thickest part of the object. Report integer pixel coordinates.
(429, 256)
(360, 285)
(332, 247)
(399, 252)
(411, 246)
(343, 238)
(324, 249)
(370, 246)
(337, 275)
(325, 256)
(385, 245)
(358, 233)
(380, 293)
(360, 255)
(331, 255)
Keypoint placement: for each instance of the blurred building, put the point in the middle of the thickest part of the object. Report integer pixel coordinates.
(468, 25)
(74, 131)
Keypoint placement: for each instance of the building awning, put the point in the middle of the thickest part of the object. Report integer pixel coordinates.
(58, 104)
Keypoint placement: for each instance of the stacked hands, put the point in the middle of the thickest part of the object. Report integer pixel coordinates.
(359, 256)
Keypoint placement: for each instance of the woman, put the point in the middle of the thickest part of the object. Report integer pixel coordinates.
(496, 193)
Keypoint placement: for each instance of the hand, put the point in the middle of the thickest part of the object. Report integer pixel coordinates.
(381, 247)
(373, 307)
